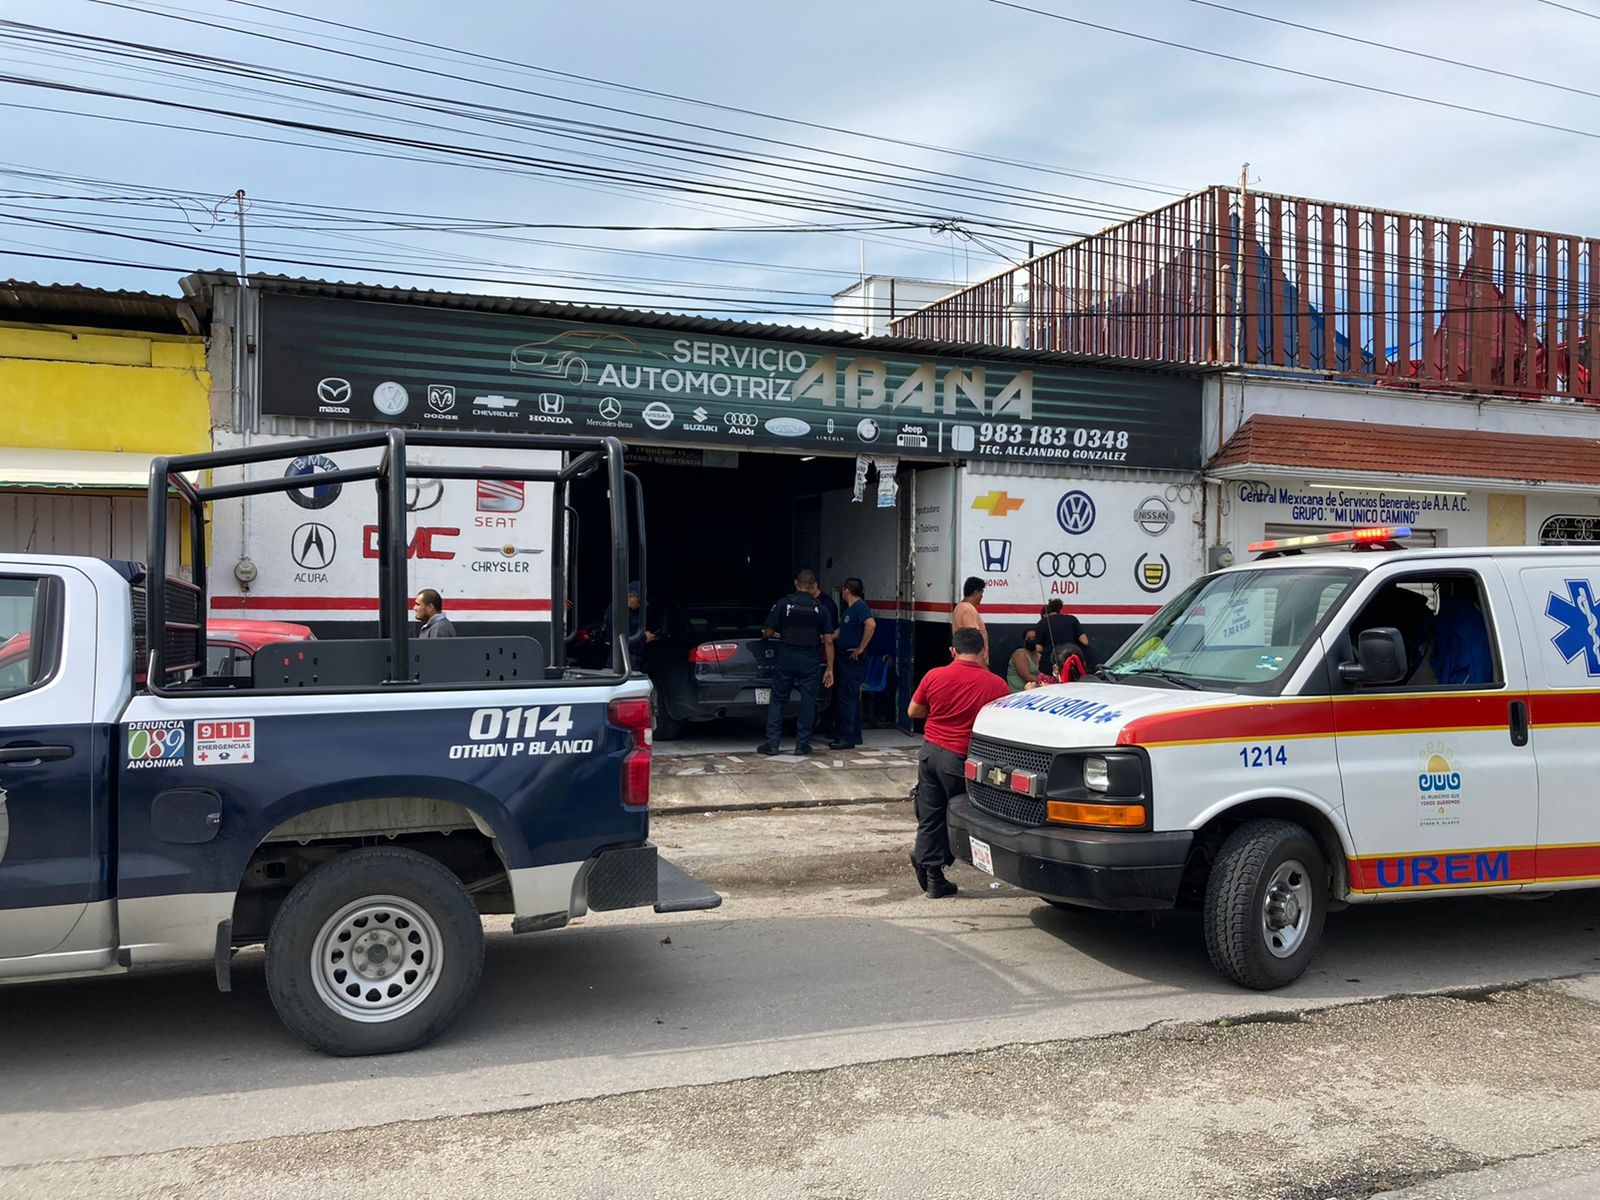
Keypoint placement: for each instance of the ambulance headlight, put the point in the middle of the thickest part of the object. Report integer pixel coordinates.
(1096, 774)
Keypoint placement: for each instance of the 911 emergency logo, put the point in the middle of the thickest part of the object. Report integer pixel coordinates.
(1579, 616)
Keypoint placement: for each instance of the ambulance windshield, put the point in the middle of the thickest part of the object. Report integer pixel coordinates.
(1235, 632)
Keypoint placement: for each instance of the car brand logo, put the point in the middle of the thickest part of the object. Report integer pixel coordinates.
(657, 415)
(1154, 515)
(507, 551)
(735, 420)
(1071, 565)
(996, 504)
(390, 398)
(441, 397)
(423, 494)
(313, 546)
(867, 429)
(1579, 616)
(700, 415)
(1075, 512)
(1152, 572)
(611, 408)
(996, 554)
(333, 391)
(551, 403)
(911, 436)
(787, 427)
(318, 495)
(494, 402)
(501, 495)
(997, 777)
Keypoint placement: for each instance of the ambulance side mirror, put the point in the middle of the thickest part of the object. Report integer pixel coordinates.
(1380, 658)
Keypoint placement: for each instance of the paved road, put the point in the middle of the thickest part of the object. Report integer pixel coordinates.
(822, 960)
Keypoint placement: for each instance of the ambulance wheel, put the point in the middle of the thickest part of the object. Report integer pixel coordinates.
(1265, 904)
(374, 952)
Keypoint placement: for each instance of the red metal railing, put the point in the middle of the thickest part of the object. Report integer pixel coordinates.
(1337, 289)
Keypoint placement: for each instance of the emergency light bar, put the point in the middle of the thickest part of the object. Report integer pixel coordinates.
(1370, 537)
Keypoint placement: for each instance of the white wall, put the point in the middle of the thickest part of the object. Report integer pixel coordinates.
(860, 539)
(865, 307)
(935, 530)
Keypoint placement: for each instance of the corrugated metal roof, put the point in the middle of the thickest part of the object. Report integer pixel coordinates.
(73, 304)
(200, 286)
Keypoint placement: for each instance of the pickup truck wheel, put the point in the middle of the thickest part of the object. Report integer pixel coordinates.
(374, 952)
(667, 728)
(1265, 904)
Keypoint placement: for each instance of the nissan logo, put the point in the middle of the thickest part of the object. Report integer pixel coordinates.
(741, 420)
(1072, 566)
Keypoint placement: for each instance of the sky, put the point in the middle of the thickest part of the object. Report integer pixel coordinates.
(746, 159)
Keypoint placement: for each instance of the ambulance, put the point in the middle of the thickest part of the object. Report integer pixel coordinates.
(1316, 728)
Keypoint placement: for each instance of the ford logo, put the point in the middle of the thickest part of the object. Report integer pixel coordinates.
(788, 427)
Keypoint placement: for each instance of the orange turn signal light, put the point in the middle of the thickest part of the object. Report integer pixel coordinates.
(1123, 816)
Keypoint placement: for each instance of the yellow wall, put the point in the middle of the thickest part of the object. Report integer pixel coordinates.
(88, 389)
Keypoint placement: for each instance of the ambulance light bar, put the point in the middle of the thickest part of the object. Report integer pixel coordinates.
(1367, 537)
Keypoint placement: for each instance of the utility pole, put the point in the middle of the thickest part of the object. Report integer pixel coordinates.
(1238, 270)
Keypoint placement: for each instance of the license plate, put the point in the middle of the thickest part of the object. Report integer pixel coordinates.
(982, 856)
(763, 695)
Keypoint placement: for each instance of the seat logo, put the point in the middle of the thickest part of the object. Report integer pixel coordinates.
(996, 554)
(1075, 512)
(1071, 566)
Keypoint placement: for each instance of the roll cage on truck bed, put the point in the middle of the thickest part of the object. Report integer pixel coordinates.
(356, 804)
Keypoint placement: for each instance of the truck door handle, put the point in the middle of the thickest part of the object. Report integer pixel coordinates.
(1519, 722)
(27, 755)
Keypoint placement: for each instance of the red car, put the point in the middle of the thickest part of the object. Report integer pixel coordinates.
(231, 645)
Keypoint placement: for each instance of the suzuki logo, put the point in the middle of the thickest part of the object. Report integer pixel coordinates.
(996, 504)
(1075, 512)
(996, 554)
(334, 391)
(313, 546)
(551, 404)
(700, 415)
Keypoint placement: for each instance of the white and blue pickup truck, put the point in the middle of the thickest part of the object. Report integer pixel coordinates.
(354, 805)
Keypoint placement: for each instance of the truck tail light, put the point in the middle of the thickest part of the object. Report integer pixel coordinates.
(713, 652)
(1120, 816)
(634, 716)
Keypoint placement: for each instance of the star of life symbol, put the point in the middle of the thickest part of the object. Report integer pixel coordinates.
(1579, 614)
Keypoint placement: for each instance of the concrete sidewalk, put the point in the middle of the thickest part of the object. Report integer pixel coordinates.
(726, 774)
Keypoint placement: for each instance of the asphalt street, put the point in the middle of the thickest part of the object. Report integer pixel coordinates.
(829, 1009)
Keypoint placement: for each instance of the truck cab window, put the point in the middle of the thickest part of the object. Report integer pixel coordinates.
(20, 661)
(1444, 624)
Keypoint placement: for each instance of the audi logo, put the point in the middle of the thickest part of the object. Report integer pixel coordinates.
(1072, 566)
(741, 420)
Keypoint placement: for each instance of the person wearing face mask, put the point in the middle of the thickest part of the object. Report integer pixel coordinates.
(1023, 669)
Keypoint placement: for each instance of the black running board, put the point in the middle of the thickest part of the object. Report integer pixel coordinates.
(678, 891)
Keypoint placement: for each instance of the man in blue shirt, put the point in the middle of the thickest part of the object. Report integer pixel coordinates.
(856, 627)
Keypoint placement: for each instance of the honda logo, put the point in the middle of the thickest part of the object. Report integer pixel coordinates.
(996, 554)
(313, 546)
(551, 403)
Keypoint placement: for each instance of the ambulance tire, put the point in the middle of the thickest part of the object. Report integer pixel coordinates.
(1265, 904)
(374, 952)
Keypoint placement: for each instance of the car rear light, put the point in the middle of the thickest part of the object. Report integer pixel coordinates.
(581, 636)
(713, 652)
(1121, 816)
(636, 717)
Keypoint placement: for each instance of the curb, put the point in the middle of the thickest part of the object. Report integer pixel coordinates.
(690, 810)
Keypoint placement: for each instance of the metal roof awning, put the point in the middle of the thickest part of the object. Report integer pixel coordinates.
(86, 470)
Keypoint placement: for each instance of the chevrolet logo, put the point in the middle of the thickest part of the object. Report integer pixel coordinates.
(998, 777)
(996, 504)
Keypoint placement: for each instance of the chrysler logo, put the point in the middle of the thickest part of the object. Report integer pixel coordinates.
(334, 391)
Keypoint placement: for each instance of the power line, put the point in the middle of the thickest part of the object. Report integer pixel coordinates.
(1570, 9)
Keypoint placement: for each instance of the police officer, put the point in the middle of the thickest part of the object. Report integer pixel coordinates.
(802, 627)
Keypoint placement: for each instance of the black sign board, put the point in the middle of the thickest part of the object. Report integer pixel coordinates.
(409, 365)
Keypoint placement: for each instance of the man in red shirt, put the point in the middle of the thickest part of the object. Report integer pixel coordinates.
(949, 697)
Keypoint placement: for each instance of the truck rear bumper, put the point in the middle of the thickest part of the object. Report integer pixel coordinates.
(1119, 869)
(627, 877)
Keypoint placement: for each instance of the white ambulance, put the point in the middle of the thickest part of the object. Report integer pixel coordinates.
(1307, 731)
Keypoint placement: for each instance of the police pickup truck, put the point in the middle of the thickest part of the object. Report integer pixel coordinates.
(1309, 731)
(355, 805)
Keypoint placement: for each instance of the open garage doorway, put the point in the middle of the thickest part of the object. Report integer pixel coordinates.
(725, 534)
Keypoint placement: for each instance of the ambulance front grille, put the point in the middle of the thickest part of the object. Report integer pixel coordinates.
(1002, 802)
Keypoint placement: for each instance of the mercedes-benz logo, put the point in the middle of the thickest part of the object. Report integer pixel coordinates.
(334, 391)
(611, 408)
(313, 546)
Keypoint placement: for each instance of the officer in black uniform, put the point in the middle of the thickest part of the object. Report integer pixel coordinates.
(802, 627)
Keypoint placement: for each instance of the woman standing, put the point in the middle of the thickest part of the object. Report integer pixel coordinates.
(1023, 669)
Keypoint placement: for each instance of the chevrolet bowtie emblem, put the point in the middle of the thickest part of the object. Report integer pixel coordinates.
(996, 504)
(997, 777)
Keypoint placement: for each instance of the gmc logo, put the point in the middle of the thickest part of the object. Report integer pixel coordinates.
(422, 544)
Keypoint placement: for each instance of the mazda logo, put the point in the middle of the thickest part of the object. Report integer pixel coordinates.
(741, 420)
(313, 546)
(1075, 512)
(1071, 566)
(334, 391)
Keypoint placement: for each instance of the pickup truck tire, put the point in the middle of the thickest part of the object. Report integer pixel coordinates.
(374, 952)
(1265, 903)
(667, 727)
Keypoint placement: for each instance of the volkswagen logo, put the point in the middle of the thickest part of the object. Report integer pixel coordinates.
(741, 420)
(1154, 515)
(1075, 512)
(313, 546)
(334, 391)
(1071, 566)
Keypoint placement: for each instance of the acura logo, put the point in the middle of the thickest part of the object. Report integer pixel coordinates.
(313, 546)
(334, 391)
(1071, 566)
(1075, 512)
(741, 420)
